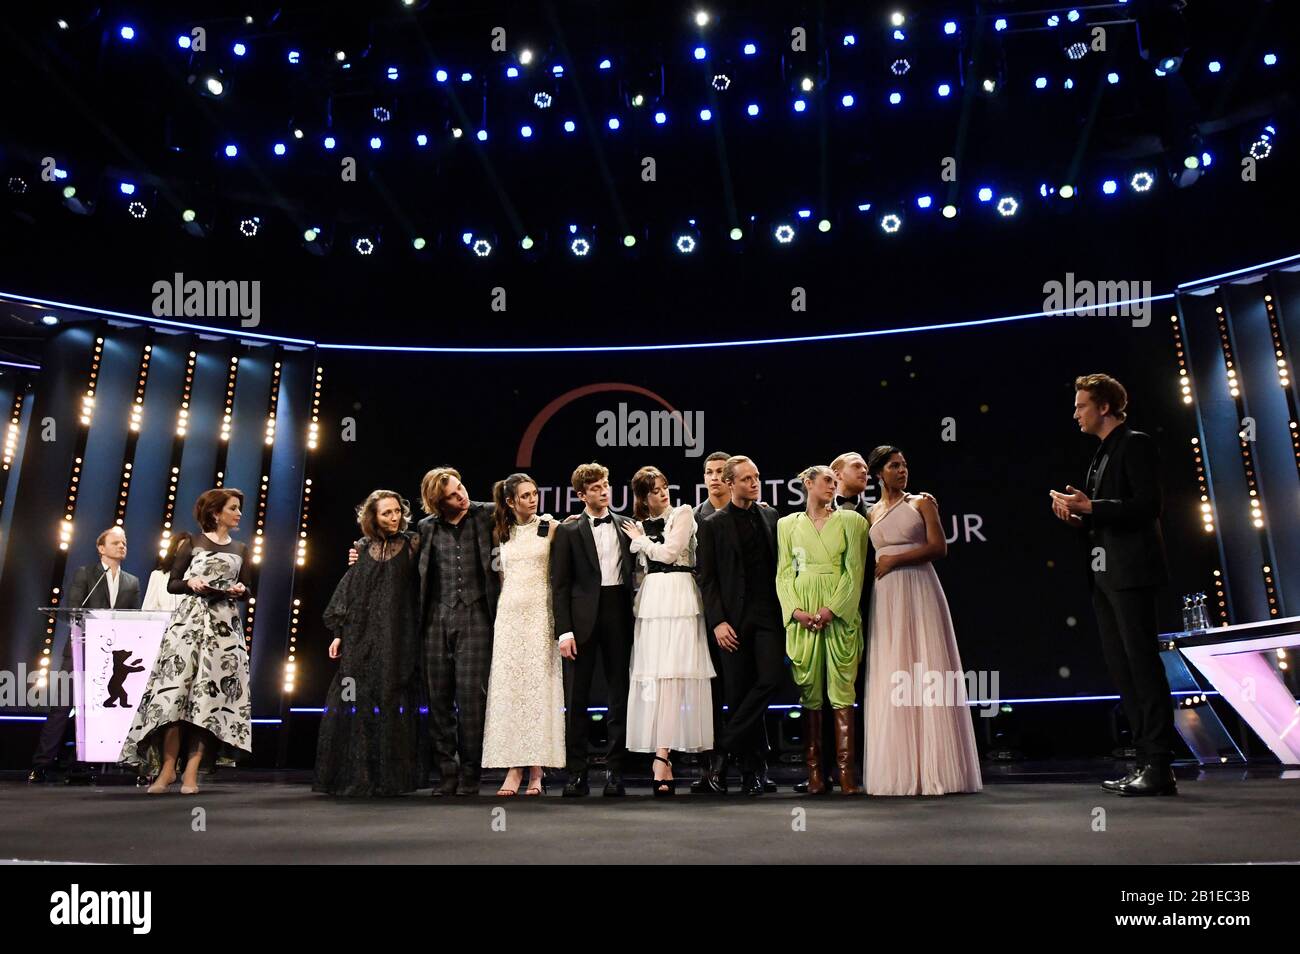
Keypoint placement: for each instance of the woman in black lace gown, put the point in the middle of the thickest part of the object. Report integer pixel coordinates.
(371, 741)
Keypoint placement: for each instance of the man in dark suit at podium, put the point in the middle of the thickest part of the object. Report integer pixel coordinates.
(100, 585)
(1121, 514)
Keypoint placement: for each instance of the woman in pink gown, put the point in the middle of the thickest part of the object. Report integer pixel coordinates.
(920, 740)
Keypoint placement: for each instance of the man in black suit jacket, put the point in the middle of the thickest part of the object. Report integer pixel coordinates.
(736, 563)
(100, 585)
(1121, 513)
(591, 589)
(459, 589)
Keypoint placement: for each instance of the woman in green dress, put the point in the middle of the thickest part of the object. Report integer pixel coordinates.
(821, 562)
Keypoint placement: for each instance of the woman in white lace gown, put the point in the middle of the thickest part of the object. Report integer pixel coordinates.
(524, 726)
(669, 705)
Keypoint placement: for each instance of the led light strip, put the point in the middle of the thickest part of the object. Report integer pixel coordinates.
(313, 440)
(227, 422)
(263, 492)
(133, 435)
(1284, 378)
(178, 449)
(1234, 389)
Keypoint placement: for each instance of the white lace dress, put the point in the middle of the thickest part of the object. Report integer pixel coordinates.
(669, 704)
(525, 703)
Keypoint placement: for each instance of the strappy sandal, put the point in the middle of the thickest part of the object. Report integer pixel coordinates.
(507, 792)
(536, 790)
(663, 787)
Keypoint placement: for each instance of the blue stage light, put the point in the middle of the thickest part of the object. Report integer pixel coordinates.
(126, 188)
(891, 223)
(613, 122)
(1207, 159)
(1110, 187)
(1000, 24)
(850, 39)
(895, 98)
(864, 206)
(239, 49)
(1215, 66)
(482, 135)
(1142, 181)
(580, 247)
(784, 234)
(294, 57)
(330, 142)
(232, 150)
(375, 142)
(752, 109)
(1112, 78)
(1073, 16)
(127, 32)
(421, 140)
(526, 131)
(1007, 206)
(183, 41)
(660, 118)
(986, 194)
(800, 105)
(1054, 20)
(512, 72)
(482, 248)
(685, 244)
(467, 237)
(542, 100)
(900, 35)
(750, 49)
(950, 27)
(279, 149)
(706, 114)
(924, 201)
(440, 76)
(1040, 83)
(701, 52)
(557, 70)
(944, 89)
(1069, 84)
(804, 213)
(569, 126)
(605, 64)
(1270, 59)
(846, 99)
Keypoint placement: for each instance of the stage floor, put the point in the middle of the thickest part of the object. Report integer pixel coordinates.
(1025, 815)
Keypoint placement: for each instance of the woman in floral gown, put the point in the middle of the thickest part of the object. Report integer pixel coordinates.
(197, 695)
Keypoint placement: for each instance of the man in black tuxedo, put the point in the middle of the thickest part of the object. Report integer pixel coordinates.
(1121, 513)
(591, 589)
(736, 563)
(100, 585)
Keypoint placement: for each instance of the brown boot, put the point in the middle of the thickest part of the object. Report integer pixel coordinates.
(845, 747)
(812, 751)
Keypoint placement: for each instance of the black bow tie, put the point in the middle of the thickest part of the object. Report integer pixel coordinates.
(845, 501)
(597, 521)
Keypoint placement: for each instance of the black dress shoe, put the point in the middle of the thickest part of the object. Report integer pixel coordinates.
(1152, 780)
(1113, 784)
(36, 776)
(714, 779)
(750, 784)
(446, 786)
(769, 786)
(467, 787)
(576, 788)
(613, 785)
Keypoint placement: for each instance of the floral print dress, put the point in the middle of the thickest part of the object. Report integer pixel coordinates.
(201, 674)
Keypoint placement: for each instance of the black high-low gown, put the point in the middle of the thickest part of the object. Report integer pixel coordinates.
(372, 740)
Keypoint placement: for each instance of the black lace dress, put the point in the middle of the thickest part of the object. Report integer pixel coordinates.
(372, 740)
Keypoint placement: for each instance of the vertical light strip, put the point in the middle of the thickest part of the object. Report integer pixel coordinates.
(295, 617)
(263, 492)
(1234, 389)
(1284, 378)
(227, 421)
(1270, 589)
(178, 449)
(70, 509)
(12, 430)
(133, 434)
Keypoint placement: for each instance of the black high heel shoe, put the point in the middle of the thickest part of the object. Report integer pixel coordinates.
(660, 791)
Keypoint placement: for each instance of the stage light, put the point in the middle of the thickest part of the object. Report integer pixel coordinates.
(526, 242)
(898, 19)
(137, 209)
(1109, 187)
(1112, 78)
(364, 246)
(850, 39)
(706, 114)
(784, 234)
(701, 19)
(457, 132)
(525, 57)
(580, 247)
(721, 82)
(440, 76)
(1053, 20)
(419, 243)
(846, 100)
(381, 113)
(1270, 59)
(1069, 84)
(183, 41)
(481, 135)
(231, 150)
(569, 126)
(701, 52)
(127, 32)
(1142, 182)
(512, 72)
(1261, 148)
(1040, 83)
(891, 223)
(990, 85)
(736, 234)
(69, 192)
(924, 201)
(900, 66)
(249, 227)
(613, 122)
(239, 49)
(340, 56)
(750, 49)
(467, 237)
(944, 89)
(1192, 162)
(806, 84)
(805, 213)
(629, 240)
(482, 248)
(1066, 192)
(950, 211)
(895, 98)
(900, 36)
(824, 225)
(126, 188)
(557, 70)
(376, 142)
(1207, 160)
(1215, 66)
(310, 235)
(1000, 24)
(605, 64)
(1073, 16)
(466, 76)
(986, 194)
(278, 149)
(294, 57)
(61, 23)
(685, 244)
(1077, 50)
(214, 85)
(752, 109)
(800, 105)
(864, 206)
(950, 27)
(638, 100)
(1007, 206)
(421, 139)
(1162, 33)
(330, 142)
(542, 100)
(50, 320)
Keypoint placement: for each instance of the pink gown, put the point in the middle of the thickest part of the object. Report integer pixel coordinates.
(919, 736)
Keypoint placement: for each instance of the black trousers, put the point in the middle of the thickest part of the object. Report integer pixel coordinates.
(56, 723)
(1127, 621)
(612, 641)
(750, 677)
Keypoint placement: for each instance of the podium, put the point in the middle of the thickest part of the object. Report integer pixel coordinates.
(113, 652)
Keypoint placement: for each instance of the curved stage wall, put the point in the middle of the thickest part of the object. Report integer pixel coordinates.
(1001, 391)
